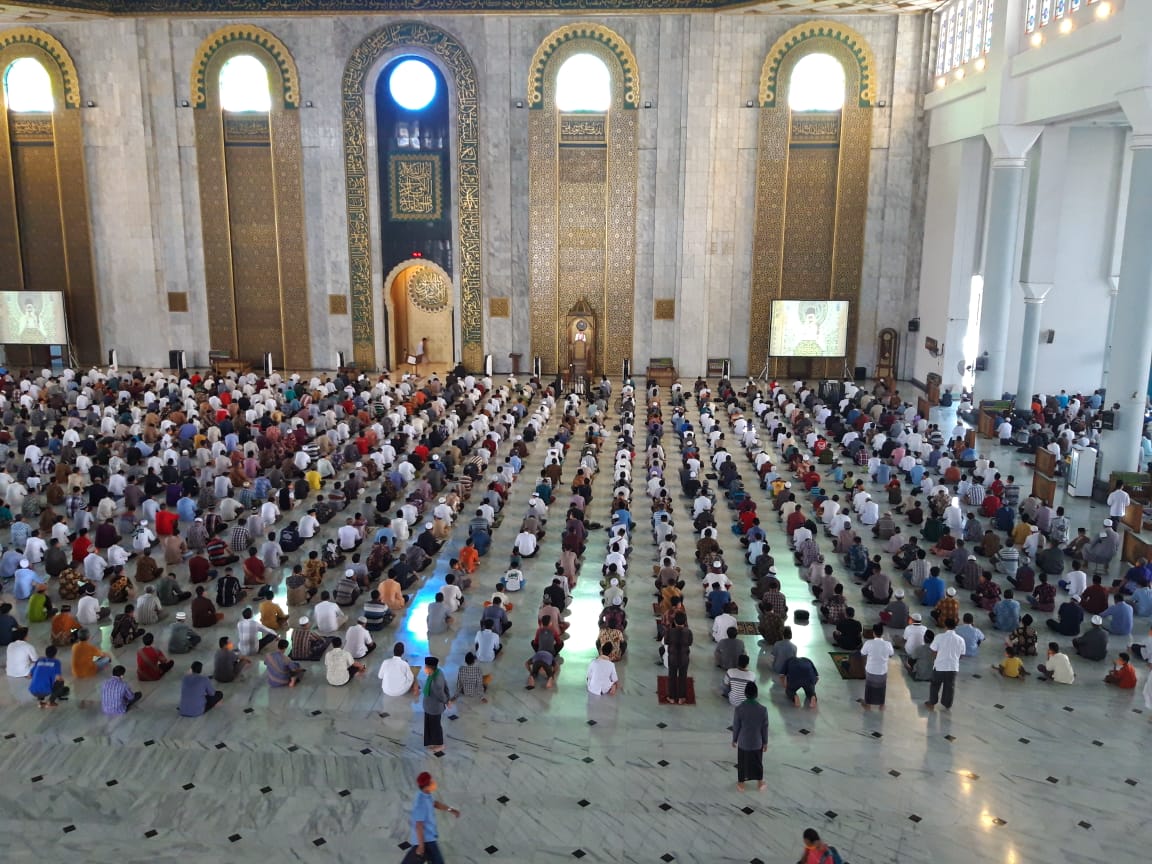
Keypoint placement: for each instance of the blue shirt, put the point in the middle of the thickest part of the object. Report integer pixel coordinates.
(194, 692)
(972, 639)
(114, 696)
(1142, 598)
(25, 578)
(45, 671)
(717, 600)
(186, 510)
(884, 473)
(916, 474)
(933, 590)
(423, 810)
(1006, 615)
(1119, 619)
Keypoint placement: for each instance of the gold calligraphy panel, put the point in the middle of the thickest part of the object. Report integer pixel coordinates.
(415, 182)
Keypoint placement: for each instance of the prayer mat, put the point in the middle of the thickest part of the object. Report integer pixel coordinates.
(662, 689)
(850, 664)
(747, 628)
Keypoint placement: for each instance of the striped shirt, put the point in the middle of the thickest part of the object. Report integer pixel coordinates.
(115, 696)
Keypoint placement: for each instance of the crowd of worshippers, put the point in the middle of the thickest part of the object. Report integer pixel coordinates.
(828, 467)
(158, 494)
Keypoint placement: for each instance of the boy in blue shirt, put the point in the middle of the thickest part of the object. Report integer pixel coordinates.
(47, 683)
(423, 835)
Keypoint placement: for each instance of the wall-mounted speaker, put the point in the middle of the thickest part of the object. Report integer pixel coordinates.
(112, 359)
(1047, 337)
(267, 364)
(176, 361)
(914, 325)
(860, 373)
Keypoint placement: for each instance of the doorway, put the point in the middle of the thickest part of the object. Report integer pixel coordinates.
(418, 297)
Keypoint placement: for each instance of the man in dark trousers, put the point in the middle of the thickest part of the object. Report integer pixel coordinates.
(750, 738)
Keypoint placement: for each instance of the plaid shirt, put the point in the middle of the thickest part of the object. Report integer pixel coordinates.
(775, 601)
(469, 681)
(240, 539)
(74, 505)
(115, 696)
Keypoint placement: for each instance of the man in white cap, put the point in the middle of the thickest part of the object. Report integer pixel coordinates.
(182, 638)
(358, 641)
(26, 581)
(442, 519)
(143, 537)
(914, 633)
(1093, 645)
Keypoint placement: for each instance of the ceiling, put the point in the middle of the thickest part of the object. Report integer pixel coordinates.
(72, 10)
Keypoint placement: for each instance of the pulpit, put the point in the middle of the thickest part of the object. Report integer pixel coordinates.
(580, 337)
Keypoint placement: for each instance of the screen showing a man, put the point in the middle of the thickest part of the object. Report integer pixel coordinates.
(32, 318)
(809, 328)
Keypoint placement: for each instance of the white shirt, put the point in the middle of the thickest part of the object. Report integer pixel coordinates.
(395, 676)
(1077, 582)
(328, 616)
(1118, 502)
(357, 640)
(720, 626)
(1060, 668)
(601, 676)
(20, 658)
(308, 526)
(876, 654)
(949, 648)
(526, 543)
(914, 637)
(348, 537)
(453, 597)
(336, 663)
(34, 550)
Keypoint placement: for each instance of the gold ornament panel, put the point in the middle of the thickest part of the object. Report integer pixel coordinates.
(789, 164)
(664, 310)
(582, 203)
(60, 190)
(451, 53)
(427, 289)
(270, 291)
(415, 181)
(499, 307)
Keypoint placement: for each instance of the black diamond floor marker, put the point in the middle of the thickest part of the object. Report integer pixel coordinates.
(916, 818)
(221, 746)
(1053, 779)
(999, 821)
(149, 742)
(112, 783)
(503, 799)
(1098, 743)
(189, 787)
(591, 722)
(747, 811)
(1130, 781)
(521, 719)
(1069, 708)
(665, 806)
(77, 740)
(344, 793)
(439, 754)
(817, 770)
(1024, 740)
(405, 846)
(977, 676)
(894, 773)
(588, 760)
(802, 731)
(667, 856)
(248, 710)
(998, 705)
(877, 734)
(317, 713)
(583, 802)
(37, 778)
(949, 738)
(365, 752)
(491, 850)
(579, 853)
(1084, 825)
(513, 757)
(756, 861)
(265, 789)
(232, 838)
(294, 748)
(68, 829)
(663, 763)
(9, 736)
(319, 841)
(661, 725)
(831, 814)
(150, 833)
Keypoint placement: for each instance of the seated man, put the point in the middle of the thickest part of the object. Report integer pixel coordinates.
(849, 632)
(601, 678)
(307, 644)
(1123, 675)
(197, 695)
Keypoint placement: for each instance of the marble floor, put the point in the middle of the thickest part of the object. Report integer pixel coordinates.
(1014, 773)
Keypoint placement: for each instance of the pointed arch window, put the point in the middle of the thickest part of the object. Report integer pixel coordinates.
(244, 86)
(583, 83)
(817, 84)
(27, 87)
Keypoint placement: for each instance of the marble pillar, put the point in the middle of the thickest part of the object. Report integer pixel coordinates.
(1109, 328)
(1010, 146)
(1034, 296)
(1132, 329)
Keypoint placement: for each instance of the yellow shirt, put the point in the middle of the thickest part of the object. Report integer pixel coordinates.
(314, 480)
(1011, 667)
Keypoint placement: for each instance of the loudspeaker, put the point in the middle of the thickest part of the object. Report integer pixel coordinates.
(176, 361)
(1107, 419)
(626, 370)
(267, 364)
(860, 373)
(339, 359)
(112, 364)
(727, 370)
(1048, 336)
(914, 325)
(981, 364)
(488, 365)
(536, 367)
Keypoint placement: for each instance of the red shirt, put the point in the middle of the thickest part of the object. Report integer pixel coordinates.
(795, 520)
(148, 660)
(166, 522)
(1124, 677)
(198, 567)
(81, 546)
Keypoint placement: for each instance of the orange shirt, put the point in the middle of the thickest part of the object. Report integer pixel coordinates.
(469, 558)
(391, 595)
(84, 656)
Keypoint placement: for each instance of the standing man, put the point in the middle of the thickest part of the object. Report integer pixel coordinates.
(424, 837)
(750, 738)
(877, 652)
(1118, 501)
(948, 647)
(679, 640)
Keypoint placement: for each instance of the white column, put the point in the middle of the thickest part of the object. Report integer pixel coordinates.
(1034, 296)
(1010, 146)
(1113, 293)
(1132, 330)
